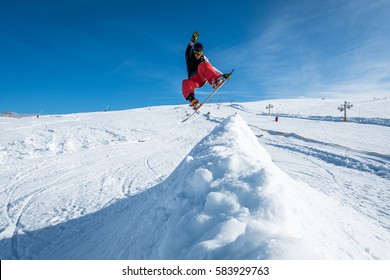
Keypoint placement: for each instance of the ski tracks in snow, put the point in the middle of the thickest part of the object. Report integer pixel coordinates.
(356, 180)
(70, 166)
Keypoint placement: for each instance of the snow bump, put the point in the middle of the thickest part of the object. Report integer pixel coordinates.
(227, 197)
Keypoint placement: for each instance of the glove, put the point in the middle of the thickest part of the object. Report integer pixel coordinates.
(226, 76)
(195, 37)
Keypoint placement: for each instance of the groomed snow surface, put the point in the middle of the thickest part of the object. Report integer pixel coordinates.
(230, 183)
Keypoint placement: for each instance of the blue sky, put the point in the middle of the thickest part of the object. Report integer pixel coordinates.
(83, 55)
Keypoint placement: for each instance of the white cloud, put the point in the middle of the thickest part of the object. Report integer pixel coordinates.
(332, 49)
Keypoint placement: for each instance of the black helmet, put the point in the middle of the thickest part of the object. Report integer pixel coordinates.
(197, 47)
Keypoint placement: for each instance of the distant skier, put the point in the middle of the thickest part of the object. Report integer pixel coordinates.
(199, 71)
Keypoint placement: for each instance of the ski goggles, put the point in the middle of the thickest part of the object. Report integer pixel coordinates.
(198, 52)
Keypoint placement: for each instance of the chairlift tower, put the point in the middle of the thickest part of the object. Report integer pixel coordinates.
(269, 107)
(344, 107)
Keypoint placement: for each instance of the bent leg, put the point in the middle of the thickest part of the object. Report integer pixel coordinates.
(189, 85)
(207, 71)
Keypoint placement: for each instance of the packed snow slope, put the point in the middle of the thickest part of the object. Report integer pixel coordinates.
(231, 183)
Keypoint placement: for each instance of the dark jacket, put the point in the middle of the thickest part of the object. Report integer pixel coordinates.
(192, 63)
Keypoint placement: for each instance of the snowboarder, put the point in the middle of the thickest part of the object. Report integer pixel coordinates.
(200, 71)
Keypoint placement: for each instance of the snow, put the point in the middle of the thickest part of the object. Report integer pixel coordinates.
(230, 183)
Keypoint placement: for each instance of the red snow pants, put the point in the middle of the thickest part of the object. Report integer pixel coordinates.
(206, 73)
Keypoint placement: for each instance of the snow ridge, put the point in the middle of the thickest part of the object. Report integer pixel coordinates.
(224, 201)
(231, 201)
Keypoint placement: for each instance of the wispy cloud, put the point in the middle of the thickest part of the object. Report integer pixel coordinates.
(317, 49)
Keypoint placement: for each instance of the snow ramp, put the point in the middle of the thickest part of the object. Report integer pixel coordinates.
(228, 200)
(225, 200)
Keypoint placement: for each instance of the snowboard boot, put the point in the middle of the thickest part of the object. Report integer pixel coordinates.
(195, 104)
(218, 82)
(226, 76)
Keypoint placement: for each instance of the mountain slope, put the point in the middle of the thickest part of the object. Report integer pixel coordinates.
(138, 184)
(225, 200)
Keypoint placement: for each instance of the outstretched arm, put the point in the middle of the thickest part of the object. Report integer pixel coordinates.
(194, 38)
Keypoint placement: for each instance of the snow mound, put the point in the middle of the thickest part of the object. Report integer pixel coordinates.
(226, 200)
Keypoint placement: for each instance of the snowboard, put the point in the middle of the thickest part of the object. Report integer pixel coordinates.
(208, 98)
